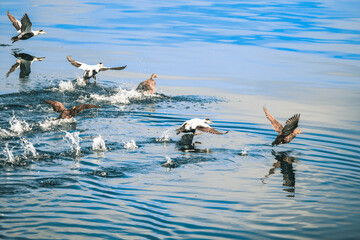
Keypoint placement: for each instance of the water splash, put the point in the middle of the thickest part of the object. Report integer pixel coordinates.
(66, 86)
(244, 152)
(99, 144)
(29, 148)
(8, 153)
(130, 145)
(123, 96)
(169, 163)
(50, 123)
(74, 141)
(80, 81)
(165, 137)
(18, 126)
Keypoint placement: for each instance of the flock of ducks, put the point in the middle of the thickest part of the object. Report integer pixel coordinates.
(24, 28)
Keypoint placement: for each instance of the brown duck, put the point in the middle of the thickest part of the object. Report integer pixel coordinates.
(287, 133)
(148, 86)
(68, 113)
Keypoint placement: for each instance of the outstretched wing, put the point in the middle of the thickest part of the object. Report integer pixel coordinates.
(73, 62)
(16, 23)
(13, 68)
(291, 125)
(209, 130)
(26, 25)
(112, 68)
(276, 125)
(83, 107)
(57, 106)
(181, 128)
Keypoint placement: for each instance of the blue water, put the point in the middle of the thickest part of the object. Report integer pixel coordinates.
(102, 175)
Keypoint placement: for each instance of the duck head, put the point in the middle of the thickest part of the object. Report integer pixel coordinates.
(207, 120)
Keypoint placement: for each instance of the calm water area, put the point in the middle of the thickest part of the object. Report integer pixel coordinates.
(101, 175)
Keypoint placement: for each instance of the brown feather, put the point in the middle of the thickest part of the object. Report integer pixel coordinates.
(82, 107)
(147, 86)
(13, 68)
(57, 106)
(73, 62)
(209, 130)
(14, 21)
(276, 125)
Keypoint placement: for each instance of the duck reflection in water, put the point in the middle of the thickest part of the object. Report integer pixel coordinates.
(285, 163)
(186, 144)
(24, 62)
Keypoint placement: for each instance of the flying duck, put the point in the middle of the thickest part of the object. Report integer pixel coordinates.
(91, 70)
(24, 28)
(68, 113)
(24, 62)
(287, 133)
(197, 124)
(148, 85)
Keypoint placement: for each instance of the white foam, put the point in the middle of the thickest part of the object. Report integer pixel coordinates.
(122, 96)
(66, 86)
(18, 126)
(99, 144)
(74, 141)
(165, 137)
(53, 122)
(130, 145)
(80, 81)
(29, 148)
(8, 153)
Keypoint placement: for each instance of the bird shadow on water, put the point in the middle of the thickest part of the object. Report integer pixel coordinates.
(285, 163)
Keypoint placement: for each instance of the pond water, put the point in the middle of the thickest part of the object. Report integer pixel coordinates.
(101, 175)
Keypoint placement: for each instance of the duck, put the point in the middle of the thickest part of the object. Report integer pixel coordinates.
(23, 27)
(68, 113)
(194, 124)
(91, 70)
(287, 133)
(148, 86)
(24, 62)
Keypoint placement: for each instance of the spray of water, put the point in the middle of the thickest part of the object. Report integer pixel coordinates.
(53, 122)
(122, 96)
(66, 86)
(18, 126)
(244, 152)
(165, 137)
(99, 144)
(8, 153)
(29, 148)
(130, 145)
(74, 141)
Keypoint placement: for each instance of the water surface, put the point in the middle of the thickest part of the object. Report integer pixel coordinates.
(101, 176)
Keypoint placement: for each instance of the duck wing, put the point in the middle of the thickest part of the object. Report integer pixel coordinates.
(144, 86)
(209, 130)
(276, 125)
(181, 128)
(57, 106)
(16, 23)
(26, 25)
(112, 68)
(83, 107)
(13, 68)
(77, 64)
(291, 125)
